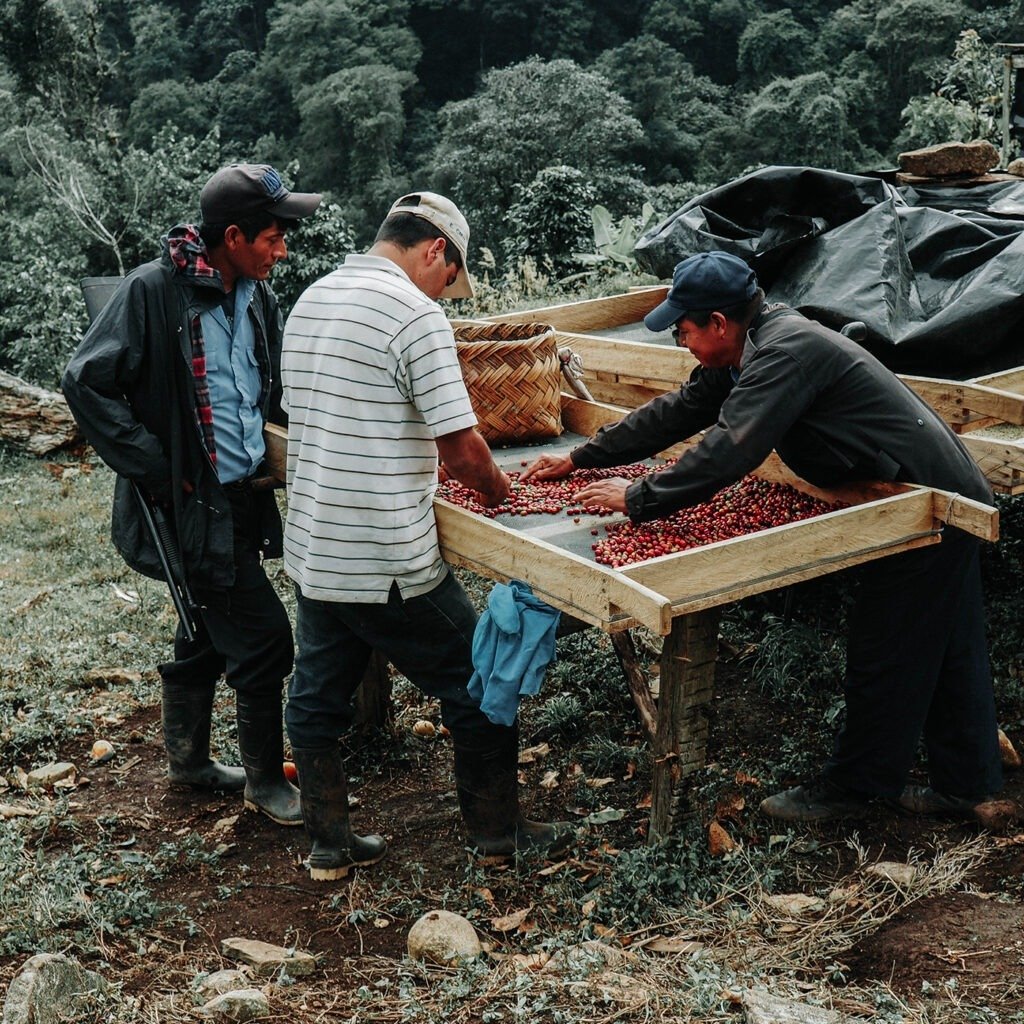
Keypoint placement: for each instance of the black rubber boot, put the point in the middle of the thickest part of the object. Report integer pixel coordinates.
(261, 743)
(336, 848)
(186, 712)
(487, 782)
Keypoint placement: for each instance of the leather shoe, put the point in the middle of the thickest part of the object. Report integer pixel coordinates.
(821, 800)
(927, 801)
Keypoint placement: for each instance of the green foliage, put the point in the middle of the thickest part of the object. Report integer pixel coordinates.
(795, 658)
(551, 215)
(774, 45)
(966, 104)
(524, 118)
(614, 241)
(318, 245)
(801, 121)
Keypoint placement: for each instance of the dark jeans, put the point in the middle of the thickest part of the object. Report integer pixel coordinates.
(427, 638)
(244, 631)
(917, 665)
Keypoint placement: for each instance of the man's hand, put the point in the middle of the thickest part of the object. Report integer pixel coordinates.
(497, 494)
(548, 467)
(609, 493)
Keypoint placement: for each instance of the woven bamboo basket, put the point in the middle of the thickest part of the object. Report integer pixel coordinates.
(513, 378)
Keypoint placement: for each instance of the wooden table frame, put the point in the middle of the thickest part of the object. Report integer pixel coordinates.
(679, 595)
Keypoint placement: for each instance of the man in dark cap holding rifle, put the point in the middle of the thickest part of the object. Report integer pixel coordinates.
(172, 385)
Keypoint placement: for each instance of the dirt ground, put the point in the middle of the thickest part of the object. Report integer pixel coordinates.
(967, 943)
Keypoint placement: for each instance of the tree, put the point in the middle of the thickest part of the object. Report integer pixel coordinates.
(550, 219)
(772, 46)
(352, 125)
(676, 107)
(802, 121)
(525, 118)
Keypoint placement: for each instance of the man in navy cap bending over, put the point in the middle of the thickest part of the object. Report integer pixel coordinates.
(769, 378)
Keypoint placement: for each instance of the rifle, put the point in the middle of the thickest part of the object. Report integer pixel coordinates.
(166, 545)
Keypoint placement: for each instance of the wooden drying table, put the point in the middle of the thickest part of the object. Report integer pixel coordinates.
(678, 596)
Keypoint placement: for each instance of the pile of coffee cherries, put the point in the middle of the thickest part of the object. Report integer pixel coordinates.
(549, 497)
(745, 507)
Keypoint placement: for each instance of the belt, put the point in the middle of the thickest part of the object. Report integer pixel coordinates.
(239, 486)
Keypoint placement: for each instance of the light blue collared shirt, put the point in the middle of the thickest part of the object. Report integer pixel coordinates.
(233, 375)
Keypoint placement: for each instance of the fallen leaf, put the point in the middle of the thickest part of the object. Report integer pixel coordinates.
(671, 944)
(644, 803)
(892, 871)
(532, 754)
(719, 841)
(381, 922)
(550, 780)
(730, 807)
(13, 811)
(128, 596)
(630, 771)
(795, 903)
(599, 783)
(552, 869)
(600, 929)
(588, 907)
(1007, 751)
(111, 880)
(530, 961)
(603, 817)
(485, 894)
(511, 921)
(743, 779)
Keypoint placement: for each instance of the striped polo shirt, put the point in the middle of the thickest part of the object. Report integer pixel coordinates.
(371, 378)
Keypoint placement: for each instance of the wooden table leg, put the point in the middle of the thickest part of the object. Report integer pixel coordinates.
(687, 684)
(374, 709)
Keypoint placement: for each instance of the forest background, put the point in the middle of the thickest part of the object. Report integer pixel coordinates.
(529, 113)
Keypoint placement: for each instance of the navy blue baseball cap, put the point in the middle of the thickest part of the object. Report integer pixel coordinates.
(706, 280)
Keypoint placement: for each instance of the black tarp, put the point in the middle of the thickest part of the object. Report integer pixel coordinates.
(936, 273)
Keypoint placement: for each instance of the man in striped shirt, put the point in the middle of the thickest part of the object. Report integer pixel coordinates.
(374, 395)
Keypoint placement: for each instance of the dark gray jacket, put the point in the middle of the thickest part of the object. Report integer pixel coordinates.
(131, 388)
(831, 410)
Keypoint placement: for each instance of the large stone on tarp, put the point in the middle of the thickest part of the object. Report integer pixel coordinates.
(950, 159)
(52, 988)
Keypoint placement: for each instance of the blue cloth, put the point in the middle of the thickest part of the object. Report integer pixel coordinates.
(234, 378)
(513, 645)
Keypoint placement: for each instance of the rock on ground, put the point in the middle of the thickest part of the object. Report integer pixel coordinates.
(442, 937)
(218, 983)
(52, 988)
(241, 1005)
(761, 1007)
(266, 959)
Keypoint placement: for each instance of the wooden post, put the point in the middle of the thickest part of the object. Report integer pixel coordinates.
(374, 709)
(687, 685)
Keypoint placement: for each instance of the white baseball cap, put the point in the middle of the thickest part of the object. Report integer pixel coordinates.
(446, 217)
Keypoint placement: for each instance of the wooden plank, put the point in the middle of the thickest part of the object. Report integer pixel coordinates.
(637, 681)
(1006, 380)
(1002, 462)
(639, 359)
(955, 401)
(591, 592)
(966, 514)
(611, 311)
(736, 568)
(686, 687)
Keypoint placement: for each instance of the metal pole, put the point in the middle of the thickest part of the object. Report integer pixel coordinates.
(1007, 65)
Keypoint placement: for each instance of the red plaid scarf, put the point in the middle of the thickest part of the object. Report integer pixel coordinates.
(187, 251)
